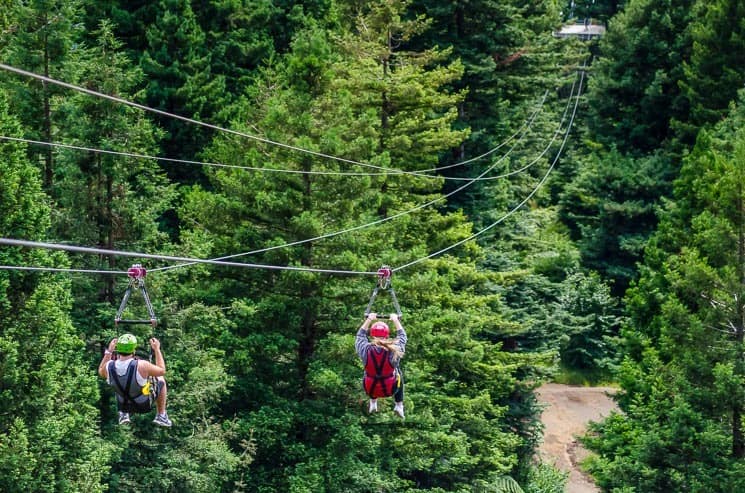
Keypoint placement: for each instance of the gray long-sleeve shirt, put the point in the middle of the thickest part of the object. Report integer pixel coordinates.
(362, 345)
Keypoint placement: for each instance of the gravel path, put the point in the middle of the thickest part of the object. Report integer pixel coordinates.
(568, 410)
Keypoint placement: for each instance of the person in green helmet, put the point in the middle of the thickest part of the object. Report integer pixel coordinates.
(135, 381)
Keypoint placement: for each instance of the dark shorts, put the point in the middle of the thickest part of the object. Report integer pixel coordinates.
(143, 404)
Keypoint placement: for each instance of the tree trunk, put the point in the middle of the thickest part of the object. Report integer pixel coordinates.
(385, 110)
(738, 441)
(307, 343)
(48, 163)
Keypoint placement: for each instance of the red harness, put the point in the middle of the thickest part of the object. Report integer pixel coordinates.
(380, 375)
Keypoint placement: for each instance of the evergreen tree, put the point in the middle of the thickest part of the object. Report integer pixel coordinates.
(242, 35)
(634, 90)
(610, 209)
(110, 201)
(715, 71)
(510, 59)
(48, 392)
(599, 9)
(685, 342)
(372, 102)
(179, 77)
(40, 37)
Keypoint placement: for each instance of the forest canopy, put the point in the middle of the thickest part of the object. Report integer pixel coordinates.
(548, 207)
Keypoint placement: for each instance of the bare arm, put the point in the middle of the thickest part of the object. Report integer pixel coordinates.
(103, 371)
(153, 370)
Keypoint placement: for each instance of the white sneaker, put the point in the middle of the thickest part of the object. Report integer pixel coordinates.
(399, 409)
(162, 420)
(373, 406)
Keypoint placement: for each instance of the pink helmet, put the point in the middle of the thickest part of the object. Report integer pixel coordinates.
(379, 329)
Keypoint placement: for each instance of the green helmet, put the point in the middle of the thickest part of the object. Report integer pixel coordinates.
(126, 344)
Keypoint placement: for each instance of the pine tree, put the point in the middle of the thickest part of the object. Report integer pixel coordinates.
(48, 391)
(365, 99)
(104, 200)
(180, 79)
(40, 37)
(634, 90)
(509, 60)
(684, 345)
(715, 71)
(609, 207)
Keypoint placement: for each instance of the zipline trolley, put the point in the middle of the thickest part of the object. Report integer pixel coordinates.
(136, 275)
(384, 283)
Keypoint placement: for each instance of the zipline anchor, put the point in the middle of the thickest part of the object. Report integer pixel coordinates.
(136, 275)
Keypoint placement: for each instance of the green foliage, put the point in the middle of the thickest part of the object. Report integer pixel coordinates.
(546, 479)
(598, 9)
(504, 484)
(40, 38)
(297, 378)
(610, 209)
(588, 321)
(48, 392)
(509, 59)
(102, 199)
(713, 75)
(682, 378)
(635, 88)
(264, 384)
(180, 80)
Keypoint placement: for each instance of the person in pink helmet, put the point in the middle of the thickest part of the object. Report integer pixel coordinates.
(381, 356)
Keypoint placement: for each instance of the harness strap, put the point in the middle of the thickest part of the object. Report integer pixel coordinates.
(378, 364)
(372, 300)
(124, 390)
(395, 301)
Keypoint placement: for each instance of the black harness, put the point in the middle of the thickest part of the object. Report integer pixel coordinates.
(138, 403)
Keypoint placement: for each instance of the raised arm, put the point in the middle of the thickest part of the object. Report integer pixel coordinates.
(103, 371)
(159, 368)
(400, 332)
(361, 343)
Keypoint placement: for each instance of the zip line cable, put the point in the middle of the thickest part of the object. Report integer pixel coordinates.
(60, 269)
(277, 170)
(220, 260)
(187, 161)
(121, 253)
(421, 174)
(518, 206)
(99, 251)
(402, 213)
(214, 127)
(191, 261)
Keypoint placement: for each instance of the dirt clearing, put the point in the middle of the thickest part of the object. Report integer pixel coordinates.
(568, 410)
